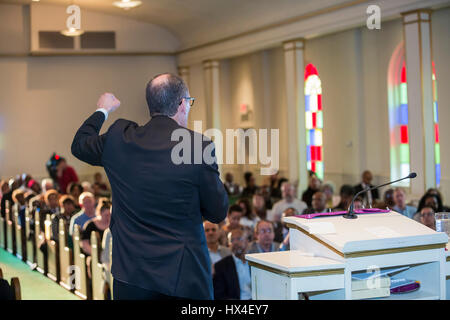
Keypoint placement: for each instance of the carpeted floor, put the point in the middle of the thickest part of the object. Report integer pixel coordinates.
(34, 286)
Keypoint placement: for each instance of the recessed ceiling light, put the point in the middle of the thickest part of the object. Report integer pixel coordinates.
(127, 4)
(35, 0)
(72, 32)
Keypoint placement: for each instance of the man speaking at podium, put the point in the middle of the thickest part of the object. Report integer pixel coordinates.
(159, 248)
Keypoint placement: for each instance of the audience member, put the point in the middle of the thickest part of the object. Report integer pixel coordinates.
(75, 190)
(87, 187)
(358, 204)
(216, 251)
(431, 200)
(275, 185)
(370, 196)
(97, 224)
(400, 203)
(265, 193)
(34, 186)
(264, 238)
(66, 174)
(331, 200)
(288, 200)
(69, 209)
(313, 186)
(388, 200)
(435, 191)
(250, 185)
(318, 204)
(18, 197)
(98, 180)
(289, 212)
(233, 219)
(249, 217)
(51, 206)
(427, 217)
(259, 206)
(87, 202)
(232, 279)
(47, 184)
(346, 193)
(6, 196)
(233, 189)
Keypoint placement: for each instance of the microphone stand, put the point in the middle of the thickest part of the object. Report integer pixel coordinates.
(351, 213)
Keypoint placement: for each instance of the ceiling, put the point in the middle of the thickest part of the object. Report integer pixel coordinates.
(196, 22)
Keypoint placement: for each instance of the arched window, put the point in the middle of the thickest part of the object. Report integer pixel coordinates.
(314, 121)
(437, 148)
(398, 118)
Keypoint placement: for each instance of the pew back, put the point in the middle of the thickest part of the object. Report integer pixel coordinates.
(19, 237)
(41, 257)
(52, 251)
(11, 238)
(79, 259)
(29, 239)
(65, 258)
(2, 232)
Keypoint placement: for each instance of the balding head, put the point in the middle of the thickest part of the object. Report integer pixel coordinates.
(165, 93)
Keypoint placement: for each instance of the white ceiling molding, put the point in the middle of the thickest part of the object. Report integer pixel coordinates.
(331, 22)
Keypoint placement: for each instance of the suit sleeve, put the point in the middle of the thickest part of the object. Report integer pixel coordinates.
(213, 197)
(87, 144)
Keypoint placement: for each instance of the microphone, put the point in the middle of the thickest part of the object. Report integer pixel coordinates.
(351, 214)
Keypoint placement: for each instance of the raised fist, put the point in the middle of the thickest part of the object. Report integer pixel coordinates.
(108, 101)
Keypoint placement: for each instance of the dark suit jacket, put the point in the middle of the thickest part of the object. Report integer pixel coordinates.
(359, 188)
(226, 282)
(157, 206)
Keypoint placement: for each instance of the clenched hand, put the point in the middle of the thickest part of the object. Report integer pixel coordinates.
(108, 101)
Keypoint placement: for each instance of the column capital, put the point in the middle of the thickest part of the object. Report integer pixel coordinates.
(182, 70)
(416, 16)
(210, 64)
(294, 44)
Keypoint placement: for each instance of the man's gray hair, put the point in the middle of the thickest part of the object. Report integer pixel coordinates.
(164, 95)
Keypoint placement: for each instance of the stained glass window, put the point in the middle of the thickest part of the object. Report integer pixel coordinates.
(314, 121)
(398, 119)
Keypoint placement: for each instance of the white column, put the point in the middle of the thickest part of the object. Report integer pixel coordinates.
(295, 96)
(417, 36)
(212, 96)
(183, 72)
(211, 81)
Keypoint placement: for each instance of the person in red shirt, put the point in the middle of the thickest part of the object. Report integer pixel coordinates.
(66, 174)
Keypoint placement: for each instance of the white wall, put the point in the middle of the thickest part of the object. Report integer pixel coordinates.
(44, 100)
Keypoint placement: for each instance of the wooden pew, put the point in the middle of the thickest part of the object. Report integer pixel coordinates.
(2, 232)
(98, 283)
(15, 287)
(52, 252)
(80, 262)
(65, 259)
(20, 252)
(41, 257)
(29, 240)
(11, 247)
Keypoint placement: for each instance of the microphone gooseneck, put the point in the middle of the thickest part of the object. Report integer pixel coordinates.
(351, 213)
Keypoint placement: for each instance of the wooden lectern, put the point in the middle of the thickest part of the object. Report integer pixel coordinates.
(327, 251)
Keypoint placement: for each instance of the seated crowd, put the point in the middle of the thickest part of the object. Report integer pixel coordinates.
(84, 204)
(254, 221)
(253, 224)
